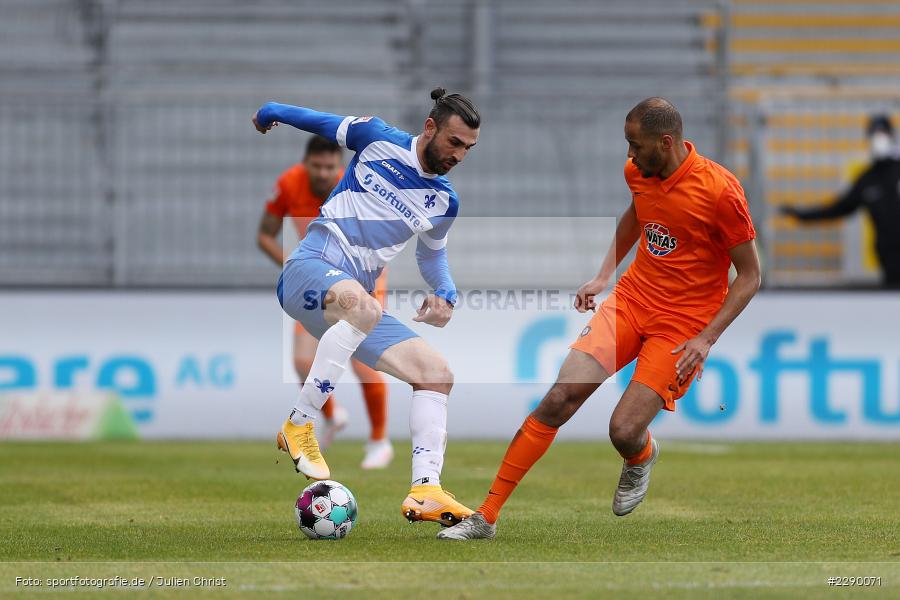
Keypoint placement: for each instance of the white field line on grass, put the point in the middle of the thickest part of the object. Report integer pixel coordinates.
(505, 585)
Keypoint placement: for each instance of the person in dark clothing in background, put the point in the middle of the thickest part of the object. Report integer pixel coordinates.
(878, 189)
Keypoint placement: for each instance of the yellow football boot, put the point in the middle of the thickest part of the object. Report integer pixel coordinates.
(432, 503)
(299, 441)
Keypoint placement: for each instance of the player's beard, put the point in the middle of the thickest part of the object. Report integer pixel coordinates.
(321, 188)
(651, 166)
(433, 162)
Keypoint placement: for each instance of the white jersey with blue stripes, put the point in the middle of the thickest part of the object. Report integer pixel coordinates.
(384, 199)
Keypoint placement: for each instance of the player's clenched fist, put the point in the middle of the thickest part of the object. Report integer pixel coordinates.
(434, 311)
(584, 298)
(261, 128)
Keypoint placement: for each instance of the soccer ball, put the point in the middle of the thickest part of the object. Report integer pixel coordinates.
(325, 510)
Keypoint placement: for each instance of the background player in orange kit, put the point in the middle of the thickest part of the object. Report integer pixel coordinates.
(667, 310)
(299, 193)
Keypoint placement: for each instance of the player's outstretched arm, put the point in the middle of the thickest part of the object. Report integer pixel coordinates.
(627, 233)
(313, 121)
(745, 285)
(844, 206)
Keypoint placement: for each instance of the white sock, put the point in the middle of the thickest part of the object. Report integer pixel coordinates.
(428, 426)
(336, 347)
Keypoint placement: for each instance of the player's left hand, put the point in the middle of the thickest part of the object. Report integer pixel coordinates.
(695, 352)
(584, 297)
(434, 311)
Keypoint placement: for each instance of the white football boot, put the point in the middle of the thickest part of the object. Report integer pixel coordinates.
(472, 528)
(379, 454)
(633, 484)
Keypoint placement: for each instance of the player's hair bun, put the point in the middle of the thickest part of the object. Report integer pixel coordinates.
(446, 104)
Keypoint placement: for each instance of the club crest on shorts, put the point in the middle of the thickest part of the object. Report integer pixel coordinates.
(659, 242)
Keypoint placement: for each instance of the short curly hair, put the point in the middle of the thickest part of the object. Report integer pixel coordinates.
(657, 116)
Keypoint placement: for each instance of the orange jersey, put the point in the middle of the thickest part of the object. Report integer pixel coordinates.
(293, 197)
(689, 221)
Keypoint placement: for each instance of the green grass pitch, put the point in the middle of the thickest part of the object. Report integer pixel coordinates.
(720, 520)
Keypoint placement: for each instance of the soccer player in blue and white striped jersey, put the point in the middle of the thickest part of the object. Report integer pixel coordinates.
(393, 190)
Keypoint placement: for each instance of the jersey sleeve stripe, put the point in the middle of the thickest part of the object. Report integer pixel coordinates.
(432, 243)
(341, 134)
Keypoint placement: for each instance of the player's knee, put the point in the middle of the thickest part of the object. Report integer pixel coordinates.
(557, 406)
(623, 433)
(362, 312)
(553, 400)
(434, 374)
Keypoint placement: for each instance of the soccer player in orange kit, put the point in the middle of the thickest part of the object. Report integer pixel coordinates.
(299, 193)
(667, 310)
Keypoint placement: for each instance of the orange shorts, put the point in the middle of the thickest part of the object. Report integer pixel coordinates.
(622, 330)
(380, 292)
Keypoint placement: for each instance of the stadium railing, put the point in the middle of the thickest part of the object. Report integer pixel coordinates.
(146, 172)
(804, 75)
(808, 147)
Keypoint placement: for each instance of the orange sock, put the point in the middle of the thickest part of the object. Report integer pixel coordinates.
(528, 445)
(328, 408)
(376, 404)
(375, 393)
(643, 455)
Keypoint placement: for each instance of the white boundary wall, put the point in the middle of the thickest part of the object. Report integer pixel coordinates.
(211, 364)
